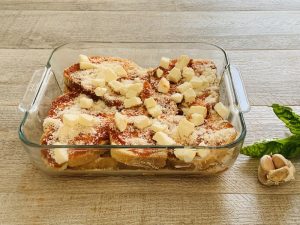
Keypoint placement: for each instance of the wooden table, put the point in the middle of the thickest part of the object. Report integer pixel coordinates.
(262, 39)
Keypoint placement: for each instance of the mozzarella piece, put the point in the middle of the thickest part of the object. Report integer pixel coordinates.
(116, 85)
(99, 91)
(197, 109)
(155, 111)
(60, 155)
(121, 121)
(199, 83)
(106, 73)
(182, 61)
(164, 62)
(150, 102)
(87, 65)
(134, 101)
(159, 73)
(142, 122)
(183, 87)
(86, 120)
(98, 82)
(188, 73)
(177, 97)
(133, 90)
(189, 95)
(163, 85)
(163, 139)
(185, 154)
(83, 58)
(157, 126)
(222, 110)
(85, 102)
(203, 152)
(185, 128)
(174, 75)
(119, 70)
(70, 119)
(197, 119)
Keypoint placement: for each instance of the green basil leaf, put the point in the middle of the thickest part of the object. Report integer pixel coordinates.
(286, 114)
(289, 147)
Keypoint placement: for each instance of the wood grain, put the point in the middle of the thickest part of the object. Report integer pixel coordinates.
(149, 208)
(270, 76)
(238, 30)
(155, 5)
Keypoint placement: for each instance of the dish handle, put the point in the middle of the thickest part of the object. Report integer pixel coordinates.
(31, 90)
(239, 89)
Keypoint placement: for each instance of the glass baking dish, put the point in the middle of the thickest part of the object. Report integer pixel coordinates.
(48, 83)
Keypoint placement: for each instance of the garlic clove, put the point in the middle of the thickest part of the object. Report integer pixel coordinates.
(279, 161)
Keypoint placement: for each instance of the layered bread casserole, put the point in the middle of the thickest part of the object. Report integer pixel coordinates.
(114, 102)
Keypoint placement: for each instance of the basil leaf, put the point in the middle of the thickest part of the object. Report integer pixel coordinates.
(286, 114)
(289, 147)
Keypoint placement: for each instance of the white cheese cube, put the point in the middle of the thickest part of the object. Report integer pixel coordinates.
(189, 95)
(163, 139)
(119, 70)
(222, 110)
(109, 74)
(133, 90)
(86, 120)
(182, 61)
(60, 155)
(121, 121)
(85, 102)
(177, 97)
(116, 85)
(70, 119)
(174, 75)
(164, 62)
(99, 91)
(163, 85)
(197, 119)
(98, 82)
(197, 109)
(87, 65)
(142, 122)
(183, 87)
(134, 101)
(159, 73)
(203, 152)
(188, 73)
(185, 128)
(157, 126)
(155, 111)
(150, 102)
(199, 83)
(185, 154)
(83, 58)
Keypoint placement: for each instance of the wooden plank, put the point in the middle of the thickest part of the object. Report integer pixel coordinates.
(240, 179)
(156, 5)
(239, 30)
(147, 208)
(269, 76)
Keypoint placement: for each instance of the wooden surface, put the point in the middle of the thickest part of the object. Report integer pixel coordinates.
(262, 38)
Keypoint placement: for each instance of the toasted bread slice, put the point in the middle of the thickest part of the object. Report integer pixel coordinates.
(91, 131)
(142, 158)
(103, 163)
(81, 80)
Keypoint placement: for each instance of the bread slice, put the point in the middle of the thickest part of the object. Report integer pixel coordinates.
(80, 80)
(141, 158)
(57, 132)
(102, 163)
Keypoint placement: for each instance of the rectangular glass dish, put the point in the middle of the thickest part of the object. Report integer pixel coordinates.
(48, 83)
